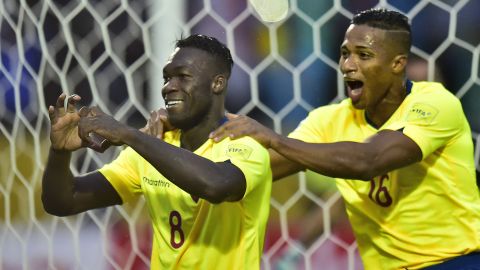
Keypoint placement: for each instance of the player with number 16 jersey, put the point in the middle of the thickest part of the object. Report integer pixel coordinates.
(404, 206)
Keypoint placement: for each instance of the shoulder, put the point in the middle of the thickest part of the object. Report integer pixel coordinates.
(431, 104)
(244, 148)
(249, 156)
(433, 92)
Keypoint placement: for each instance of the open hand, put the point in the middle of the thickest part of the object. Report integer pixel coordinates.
(157, 124)
(239, 125)
(64, 124)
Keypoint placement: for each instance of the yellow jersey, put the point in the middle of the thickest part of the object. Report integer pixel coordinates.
(191, 233)
(418, 215)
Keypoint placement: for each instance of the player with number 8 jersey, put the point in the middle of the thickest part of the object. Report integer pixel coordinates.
(208, 201)
(191, 233)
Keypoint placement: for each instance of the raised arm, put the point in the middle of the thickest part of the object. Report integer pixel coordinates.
(213, 181)
(62, 193)
(386, 151)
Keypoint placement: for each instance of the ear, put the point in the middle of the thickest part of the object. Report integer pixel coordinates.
(219, 84)
(399, 63)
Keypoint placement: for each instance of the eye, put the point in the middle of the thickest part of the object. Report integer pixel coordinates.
(344, 53)
(184, 76)
(166, 79)
(365, 55)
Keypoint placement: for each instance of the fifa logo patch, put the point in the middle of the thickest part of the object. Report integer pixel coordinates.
(420, 112)
(239, 150)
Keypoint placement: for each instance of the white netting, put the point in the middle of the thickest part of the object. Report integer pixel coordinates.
(111, 53)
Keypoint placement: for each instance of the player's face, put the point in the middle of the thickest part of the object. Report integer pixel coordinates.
(187, 88)
(365, 63)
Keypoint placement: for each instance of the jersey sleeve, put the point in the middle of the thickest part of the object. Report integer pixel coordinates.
(432, 122)
(123, 174)
(252, 159)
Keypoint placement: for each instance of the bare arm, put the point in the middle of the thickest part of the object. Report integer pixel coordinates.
(386, 151)
(281, 166)
(62, 193)
(215, 182)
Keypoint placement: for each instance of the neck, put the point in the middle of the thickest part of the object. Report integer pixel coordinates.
(380, 113)
(192, 138)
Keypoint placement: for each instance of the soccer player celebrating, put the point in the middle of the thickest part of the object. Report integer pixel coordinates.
(401, 151)
(208, 201)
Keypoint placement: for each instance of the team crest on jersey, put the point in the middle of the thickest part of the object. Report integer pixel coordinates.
(239, 150)
(421, 112)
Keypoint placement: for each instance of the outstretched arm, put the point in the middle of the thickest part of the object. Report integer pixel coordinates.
(386, 151)
(215, 182)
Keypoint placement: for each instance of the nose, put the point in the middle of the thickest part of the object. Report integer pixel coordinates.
(169, 87)
(348, 65)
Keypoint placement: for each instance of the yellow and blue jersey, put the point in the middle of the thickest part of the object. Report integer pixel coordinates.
(417, 215)
(191, 233)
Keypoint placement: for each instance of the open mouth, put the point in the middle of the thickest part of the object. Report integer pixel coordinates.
(354, 85)
(354, 89)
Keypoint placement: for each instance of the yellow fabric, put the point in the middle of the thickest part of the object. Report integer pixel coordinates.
(228, 235)
(419, 215)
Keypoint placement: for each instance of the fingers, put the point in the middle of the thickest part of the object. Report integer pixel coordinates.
(83, 133)
(236, 127)
(63, 105)
(84, 111)
(51, 113)
(157, 124)
(60, 101)
(162, 112)
(150, 128)
(228, 129)
(95, 110)
(152, 123)
(69, 103)
(167, 126)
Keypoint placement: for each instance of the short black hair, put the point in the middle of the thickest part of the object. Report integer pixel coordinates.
(212, 46)
(385, 19)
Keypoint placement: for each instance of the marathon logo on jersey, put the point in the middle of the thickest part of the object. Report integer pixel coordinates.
(422, 113)
(239, 151)
(156, 183)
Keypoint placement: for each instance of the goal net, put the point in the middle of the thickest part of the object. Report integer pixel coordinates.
(111, 53)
